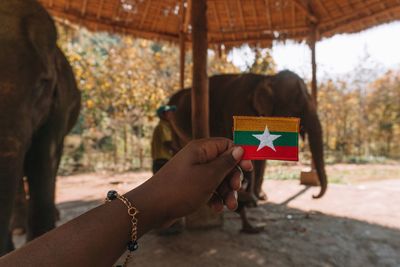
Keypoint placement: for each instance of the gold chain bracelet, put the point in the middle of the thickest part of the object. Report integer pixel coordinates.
(132, 212)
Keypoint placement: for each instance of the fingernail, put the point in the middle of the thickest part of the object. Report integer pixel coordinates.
(237, 153)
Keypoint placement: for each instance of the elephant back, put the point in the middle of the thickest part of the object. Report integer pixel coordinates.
(231, 95)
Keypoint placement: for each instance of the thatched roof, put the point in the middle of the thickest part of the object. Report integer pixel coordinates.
(230, 22)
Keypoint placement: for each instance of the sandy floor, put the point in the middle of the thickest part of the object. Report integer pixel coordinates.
(353, 225)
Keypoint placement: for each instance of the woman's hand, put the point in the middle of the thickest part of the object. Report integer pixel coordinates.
(203, 171)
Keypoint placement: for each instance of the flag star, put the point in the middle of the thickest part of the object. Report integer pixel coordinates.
(266, 139)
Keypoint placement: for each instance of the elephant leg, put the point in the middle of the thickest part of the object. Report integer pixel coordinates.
(259, 170)
(42, 165)
(246, 195)
(246, 225)
(20, 210)
(8, 189)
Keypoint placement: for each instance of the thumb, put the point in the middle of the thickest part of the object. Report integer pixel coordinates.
(224, 164)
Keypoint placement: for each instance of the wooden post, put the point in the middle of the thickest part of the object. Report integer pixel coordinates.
(205, 217)
(182, 37)
(311, 177)
(182, 59)
(200, 123)
(313, 40)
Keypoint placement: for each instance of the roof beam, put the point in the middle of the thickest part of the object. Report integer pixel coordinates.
(229, 18)
(84, 6)
(239, 6)
(268, 9)
(293, 16)
(67, 5)
(324, 8)
(261, 30)
(255, 13)
(188, 16)
(144, 15)
(217, 19)
(100, 8)
(343, 22)
(302, 7)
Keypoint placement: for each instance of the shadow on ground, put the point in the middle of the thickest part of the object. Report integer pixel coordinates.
(296, 232)
(292, 237)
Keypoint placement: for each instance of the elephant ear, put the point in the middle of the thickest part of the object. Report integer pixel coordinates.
(66, 96)
(304, 99)
(42, 35)
(262, 98)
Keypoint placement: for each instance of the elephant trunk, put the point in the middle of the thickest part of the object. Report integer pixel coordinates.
(314, 130)
(10, 171)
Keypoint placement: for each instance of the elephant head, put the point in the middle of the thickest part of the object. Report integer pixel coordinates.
(291, 98)
(37, 93)
(283, 94)
(27, 73)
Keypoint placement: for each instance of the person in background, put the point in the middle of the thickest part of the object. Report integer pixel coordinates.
(162, 149)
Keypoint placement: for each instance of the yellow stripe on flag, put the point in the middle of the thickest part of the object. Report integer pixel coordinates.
(275, 124)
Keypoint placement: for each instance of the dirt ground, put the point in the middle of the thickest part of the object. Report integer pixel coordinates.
(354, 224)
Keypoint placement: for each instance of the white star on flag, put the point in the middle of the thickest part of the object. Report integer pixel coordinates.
(266, 139)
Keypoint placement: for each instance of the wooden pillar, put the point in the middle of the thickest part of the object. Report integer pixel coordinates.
(200, 116)
(182, 39)
(311, 177)
(205, 217)
(313, 40)
(182, 59)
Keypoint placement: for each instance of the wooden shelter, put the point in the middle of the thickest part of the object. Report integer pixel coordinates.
(208, 23)
(229, 22)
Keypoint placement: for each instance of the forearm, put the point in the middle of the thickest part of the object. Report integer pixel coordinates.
(186, 182)
(96, 238)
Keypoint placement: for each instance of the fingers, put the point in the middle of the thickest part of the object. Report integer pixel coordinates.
(209, 149)
(230, 200)
(216, 203)
(246, 165)
(225, 163)
(235, 181)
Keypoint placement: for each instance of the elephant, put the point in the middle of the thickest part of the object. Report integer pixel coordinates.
(39, 104)
(281, 95)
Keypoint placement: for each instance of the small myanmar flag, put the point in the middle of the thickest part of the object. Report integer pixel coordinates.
(267, 137)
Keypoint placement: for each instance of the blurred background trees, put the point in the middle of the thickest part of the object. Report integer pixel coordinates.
(123, 80)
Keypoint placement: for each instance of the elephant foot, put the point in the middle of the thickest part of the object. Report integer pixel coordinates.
(57, 214)
(19, 231)
(18, 222)
(262, 196)
(247, 228)
(9, 245)
(252, 229)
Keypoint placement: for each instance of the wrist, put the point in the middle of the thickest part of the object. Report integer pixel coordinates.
(148, 199)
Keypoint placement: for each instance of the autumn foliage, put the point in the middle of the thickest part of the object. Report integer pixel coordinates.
(123, 80)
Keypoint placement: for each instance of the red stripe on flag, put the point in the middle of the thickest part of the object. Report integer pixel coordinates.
(282, 153)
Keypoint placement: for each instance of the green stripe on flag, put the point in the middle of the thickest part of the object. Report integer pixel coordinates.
(247, 138)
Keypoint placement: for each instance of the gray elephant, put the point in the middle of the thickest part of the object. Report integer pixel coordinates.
(280, 95)
(39, 104)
